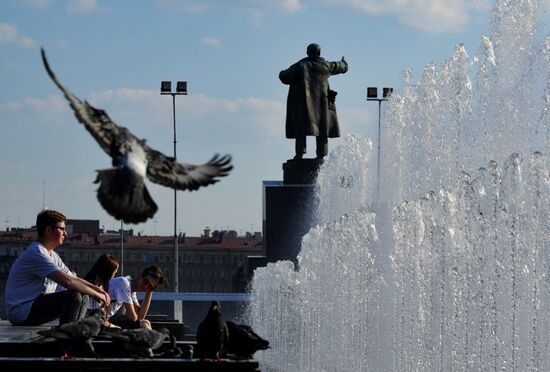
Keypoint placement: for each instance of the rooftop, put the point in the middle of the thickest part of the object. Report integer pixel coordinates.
(219, 241)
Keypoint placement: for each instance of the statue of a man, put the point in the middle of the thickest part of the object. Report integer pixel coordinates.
(311, 109)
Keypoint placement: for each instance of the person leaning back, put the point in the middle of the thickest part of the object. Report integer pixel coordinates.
(123, 290)
(32, 295)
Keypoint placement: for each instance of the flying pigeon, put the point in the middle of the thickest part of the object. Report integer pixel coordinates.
(212, 334)
(243, 341)
(136, 343)
(122, 191)
(76, 335)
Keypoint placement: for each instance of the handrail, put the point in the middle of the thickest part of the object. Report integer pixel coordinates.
(197, 297)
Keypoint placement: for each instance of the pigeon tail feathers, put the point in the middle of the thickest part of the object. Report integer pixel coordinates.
(123, 194)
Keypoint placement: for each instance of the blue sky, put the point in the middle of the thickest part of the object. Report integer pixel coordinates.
(115, 53)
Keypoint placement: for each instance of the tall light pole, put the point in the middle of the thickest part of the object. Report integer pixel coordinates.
(121, 248)
(372, 95)
(181, 89)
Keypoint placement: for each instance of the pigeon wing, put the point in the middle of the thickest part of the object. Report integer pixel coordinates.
(96, 121)
(167, 171)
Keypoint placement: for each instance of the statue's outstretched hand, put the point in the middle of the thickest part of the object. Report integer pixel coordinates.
(345, 64)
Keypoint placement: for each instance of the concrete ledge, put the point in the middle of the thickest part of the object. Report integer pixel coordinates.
(126, 364)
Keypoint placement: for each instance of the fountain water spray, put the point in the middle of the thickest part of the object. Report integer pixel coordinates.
(453, 279)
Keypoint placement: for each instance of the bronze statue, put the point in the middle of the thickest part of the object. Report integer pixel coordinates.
(311, 109)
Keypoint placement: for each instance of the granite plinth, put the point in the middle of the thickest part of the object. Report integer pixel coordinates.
(301, 171)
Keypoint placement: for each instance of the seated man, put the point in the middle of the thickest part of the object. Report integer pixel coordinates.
(122, 290)
(31, 296)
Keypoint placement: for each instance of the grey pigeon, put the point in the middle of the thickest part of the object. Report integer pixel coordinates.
(136, 343)
(122, 191)
(76, 336)
(243, 341)
(173, 351)
(212, 333)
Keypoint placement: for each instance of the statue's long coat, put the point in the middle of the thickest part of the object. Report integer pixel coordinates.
(308, 111)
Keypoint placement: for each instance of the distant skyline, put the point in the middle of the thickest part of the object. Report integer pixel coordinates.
(115, 54)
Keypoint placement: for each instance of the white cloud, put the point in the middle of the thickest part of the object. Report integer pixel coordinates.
(196, 6)
(289, 6)
(52, 106)
(255, 10)
(82, 6)
(9, 34)
(264, 118)
(187, 6)
(33, 3)
(13, 167)
(11, 106)
(211, 41)
(427, 15)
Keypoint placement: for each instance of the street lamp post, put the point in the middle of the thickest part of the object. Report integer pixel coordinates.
(372, 95)
(121, 248)
(181, 89)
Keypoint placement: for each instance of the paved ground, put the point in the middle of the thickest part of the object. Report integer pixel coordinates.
(20, 333)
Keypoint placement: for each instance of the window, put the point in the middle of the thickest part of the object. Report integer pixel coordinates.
(133, 257)
(86, 257)
(75, 256)
(213, 259)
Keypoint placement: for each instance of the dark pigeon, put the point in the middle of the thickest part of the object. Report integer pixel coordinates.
(122, 191)
(172, 351)
(76, 337)
(212, 334)
(243, 341)
(136, 343)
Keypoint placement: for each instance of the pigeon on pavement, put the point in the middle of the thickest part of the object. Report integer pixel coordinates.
(76, 336)
(243, 341)
(122, 191)
(136, 343)
(212, 334)
(173, 351)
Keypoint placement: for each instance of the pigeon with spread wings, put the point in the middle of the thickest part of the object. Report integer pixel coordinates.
(122, 191)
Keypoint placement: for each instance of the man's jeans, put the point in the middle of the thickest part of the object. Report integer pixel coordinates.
(66, 305)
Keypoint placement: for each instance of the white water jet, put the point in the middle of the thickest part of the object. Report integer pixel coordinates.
(461, 280)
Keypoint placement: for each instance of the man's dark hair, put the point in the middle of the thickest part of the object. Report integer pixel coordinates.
(46, 218)
(314, 50)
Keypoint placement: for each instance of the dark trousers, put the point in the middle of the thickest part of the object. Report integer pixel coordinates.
(124, 322)
(66, 305)
(321, 144)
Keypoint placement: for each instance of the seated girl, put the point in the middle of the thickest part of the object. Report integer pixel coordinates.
(103, 270)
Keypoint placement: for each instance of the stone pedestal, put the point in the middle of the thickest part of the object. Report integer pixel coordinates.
(287, 211)
(301, 171)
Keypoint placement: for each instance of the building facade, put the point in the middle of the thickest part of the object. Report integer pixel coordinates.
(214, 262)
